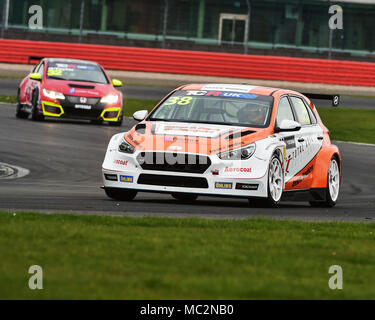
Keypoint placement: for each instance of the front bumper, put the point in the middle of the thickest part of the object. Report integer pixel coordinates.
(221, 178)
(91, 110)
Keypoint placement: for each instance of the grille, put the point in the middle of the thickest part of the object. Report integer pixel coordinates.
(176, 162)
(172, 181)
(76, 100)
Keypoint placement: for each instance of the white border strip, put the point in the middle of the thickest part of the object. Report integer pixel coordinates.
(357, 143)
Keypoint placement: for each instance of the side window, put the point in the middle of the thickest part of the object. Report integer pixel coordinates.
(36, 68)
(284, 111)
(301, 111)
(41, 70)
(311, 113)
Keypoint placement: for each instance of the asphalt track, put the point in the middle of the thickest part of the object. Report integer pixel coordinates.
(9, 87)
(65, 157)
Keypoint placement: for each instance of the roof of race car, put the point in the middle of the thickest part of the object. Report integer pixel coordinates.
(244, 88)
(64, 60)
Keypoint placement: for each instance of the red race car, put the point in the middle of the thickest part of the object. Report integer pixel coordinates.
(67, 88)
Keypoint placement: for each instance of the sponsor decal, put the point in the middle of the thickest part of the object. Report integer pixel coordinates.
(227, 147)
(89, 92)
(191, 129)
(290, 142)
(121, 162)
(223, 185)
(227, 169)
(110, 177)
(225, 94)
(247, 186)
(175, 148)
(71, 90)
(83, 99)
(82, 106)
(126, 179)
(287, 164)
(302, 177)
(228, 87)
(85, 67)
(130, 137)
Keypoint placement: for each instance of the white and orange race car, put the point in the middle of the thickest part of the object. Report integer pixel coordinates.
(264, 144)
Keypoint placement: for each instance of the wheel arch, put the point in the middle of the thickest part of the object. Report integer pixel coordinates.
(322, 162)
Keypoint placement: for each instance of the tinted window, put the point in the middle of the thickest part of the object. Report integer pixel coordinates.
(41, 69)
(219, 107)
(284, 111)
(79, 71)
(311, 113)
(301, 110)
(37, 67)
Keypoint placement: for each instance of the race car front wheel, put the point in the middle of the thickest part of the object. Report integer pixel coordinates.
(35, 113)
(120, 194)
(19, 112)
(275, 185)
(333, 186)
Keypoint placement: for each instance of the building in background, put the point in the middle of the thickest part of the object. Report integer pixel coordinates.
(284, 27)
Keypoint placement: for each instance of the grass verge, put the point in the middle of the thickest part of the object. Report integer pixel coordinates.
(8, 98)
(132, 105)
(350, 124)
(97, 257)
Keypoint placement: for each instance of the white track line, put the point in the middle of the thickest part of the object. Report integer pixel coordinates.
(357, 143)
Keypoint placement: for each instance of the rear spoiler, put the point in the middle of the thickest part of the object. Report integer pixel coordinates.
(335, 98)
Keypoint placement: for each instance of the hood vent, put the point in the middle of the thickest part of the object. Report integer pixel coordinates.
(81, 86)
(239, 134)
(140, 128)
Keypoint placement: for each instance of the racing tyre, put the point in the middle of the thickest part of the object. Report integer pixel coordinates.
(275, 185)
(333, 186)
(121, 194)
(35, 114)
(19, 112)
(185, 197)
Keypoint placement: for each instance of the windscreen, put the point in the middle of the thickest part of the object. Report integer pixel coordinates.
(217, 107)
(76, 72)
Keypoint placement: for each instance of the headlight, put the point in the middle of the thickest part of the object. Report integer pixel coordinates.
(53, 94)
(238, 154)
(125, 147)
(109, 99)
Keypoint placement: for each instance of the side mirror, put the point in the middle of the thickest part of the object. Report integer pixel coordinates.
(288, 125)
(116, 83)
(140, 115)
(35, 76)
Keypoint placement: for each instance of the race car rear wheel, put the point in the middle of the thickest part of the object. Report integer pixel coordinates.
(35, 113)
(120, 194)
(19, 112)
(275, 185)
(333, 186)
(185, 197)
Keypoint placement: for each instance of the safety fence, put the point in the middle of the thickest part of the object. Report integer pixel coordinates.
(195, 62)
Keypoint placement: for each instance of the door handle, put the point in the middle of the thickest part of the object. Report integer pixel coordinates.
(301, 140)
(320, 138)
